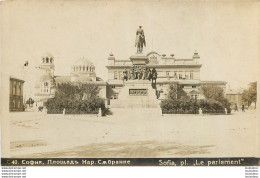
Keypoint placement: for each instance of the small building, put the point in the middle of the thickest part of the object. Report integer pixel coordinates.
(234, 97)
(16, 94)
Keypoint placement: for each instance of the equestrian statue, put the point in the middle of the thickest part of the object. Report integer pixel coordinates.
(140, 40)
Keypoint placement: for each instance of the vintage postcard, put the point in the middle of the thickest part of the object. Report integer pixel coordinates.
(129, 83)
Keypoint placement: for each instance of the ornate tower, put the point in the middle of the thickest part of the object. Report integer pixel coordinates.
(44, 88)
(47, 66)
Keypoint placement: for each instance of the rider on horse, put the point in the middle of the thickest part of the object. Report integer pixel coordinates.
(140, 40)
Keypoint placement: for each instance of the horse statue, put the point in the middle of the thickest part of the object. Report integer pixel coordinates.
(140, 40)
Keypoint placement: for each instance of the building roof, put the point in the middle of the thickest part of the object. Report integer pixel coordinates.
(46, 78)
(83, 62)
(62, 79)
(213, 82)
(65, 79)
(16, 78)
(234, 92)
(99, 79)
(152, 52)
(196, 55)
(47, 55)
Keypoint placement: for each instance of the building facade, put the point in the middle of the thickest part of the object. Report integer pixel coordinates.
(234, 97)
(170, 70)
(82, 71)
(16, 102)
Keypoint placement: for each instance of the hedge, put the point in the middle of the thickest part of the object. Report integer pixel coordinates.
(191, 106)
(90, 106)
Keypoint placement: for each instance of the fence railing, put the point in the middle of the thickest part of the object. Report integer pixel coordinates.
(199, 111)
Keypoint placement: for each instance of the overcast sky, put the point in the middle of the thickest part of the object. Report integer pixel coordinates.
(226, 34)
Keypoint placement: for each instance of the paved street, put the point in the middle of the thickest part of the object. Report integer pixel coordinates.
(133, 133)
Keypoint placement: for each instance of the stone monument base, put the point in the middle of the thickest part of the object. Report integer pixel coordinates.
(136, 94)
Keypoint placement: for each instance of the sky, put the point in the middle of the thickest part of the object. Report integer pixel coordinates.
(225, 34)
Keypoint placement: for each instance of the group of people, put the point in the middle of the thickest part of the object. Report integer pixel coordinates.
(140, 73)
(242, 108)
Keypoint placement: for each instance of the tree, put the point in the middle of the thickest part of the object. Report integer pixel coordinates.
(177, 92)
(30, 102)
(215, 93)
(249, 95)
(212, 92)
(76, 91)
(76, 98)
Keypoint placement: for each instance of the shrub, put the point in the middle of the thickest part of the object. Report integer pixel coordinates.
(211, 106)
(178, 102)
(76, 99)
(180, 106)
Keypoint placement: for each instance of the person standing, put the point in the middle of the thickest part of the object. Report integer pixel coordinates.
(154, 75)
(149, 74)
(243, 108)
(125, 73)
(236, 109)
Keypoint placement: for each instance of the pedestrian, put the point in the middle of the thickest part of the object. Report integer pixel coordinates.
(243, 108)
(236, 109)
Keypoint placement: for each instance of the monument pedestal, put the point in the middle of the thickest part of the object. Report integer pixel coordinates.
(136, 94)
(139, 59)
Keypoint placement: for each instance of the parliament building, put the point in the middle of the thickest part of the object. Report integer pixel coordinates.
(128, 93)
(170, 70)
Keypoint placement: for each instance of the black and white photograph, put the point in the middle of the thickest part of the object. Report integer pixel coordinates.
(129, 83)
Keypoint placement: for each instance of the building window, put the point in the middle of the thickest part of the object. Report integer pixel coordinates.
(175, 74)
(116, 96)
(113, 86)
(115, 75)
(180, 75)
(47, 60)
(167, 73)
(182, 86)
(83, 68)
(193, 86)
(14, 88)
(19, 88)
(120, 75)
(186, 75)
(191, 74)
